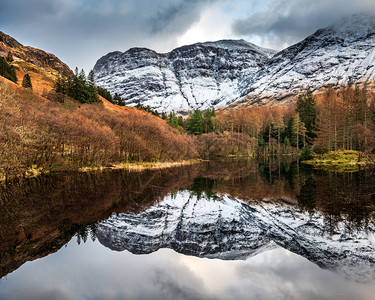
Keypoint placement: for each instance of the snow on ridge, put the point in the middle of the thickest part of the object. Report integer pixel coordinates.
(236, 72)
(340, 54)
(201, 75)
(228, 228)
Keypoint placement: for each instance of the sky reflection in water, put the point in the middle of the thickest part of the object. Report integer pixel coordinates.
(91, 271)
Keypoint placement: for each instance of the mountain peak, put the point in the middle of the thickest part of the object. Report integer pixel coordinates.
(219, 73)
(200, 75)
(238, 44)
(9, 41)
(341, 54)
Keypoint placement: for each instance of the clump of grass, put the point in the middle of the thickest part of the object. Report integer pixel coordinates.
(341, 161)
(140, 166)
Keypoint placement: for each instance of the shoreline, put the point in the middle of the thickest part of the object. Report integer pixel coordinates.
(140, 166)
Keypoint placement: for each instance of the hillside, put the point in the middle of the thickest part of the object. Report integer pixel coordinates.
(225, 73)
(38, 135)
(43, 67)
(194, 76)
(338, 55)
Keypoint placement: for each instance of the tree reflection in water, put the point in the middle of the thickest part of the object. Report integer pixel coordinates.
(40, 215)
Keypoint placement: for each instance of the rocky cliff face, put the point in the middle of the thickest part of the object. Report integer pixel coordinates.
(196, 76)
(238, 73)
(341, 54)
(231, 229)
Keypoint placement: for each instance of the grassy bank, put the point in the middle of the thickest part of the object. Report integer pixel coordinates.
(342, 161)
(140, 166)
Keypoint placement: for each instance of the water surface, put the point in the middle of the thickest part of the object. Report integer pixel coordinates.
(220, 230)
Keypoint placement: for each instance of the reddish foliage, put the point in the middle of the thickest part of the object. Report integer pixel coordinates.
(49, 134)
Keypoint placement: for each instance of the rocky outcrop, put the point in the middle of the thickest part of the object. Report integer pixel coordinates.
(228, 228)
(341, 54)
(195, 76)
(238, 73)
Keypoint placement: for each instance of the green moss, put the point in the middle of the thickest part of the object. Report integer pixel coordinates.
(341, 161)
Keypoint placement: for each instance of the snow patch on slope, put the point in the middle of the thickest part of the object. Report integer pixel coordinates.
(228, 228)
(202, 75)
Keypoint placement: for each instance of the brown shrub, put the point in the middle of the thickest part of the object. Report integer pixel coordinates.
(34, 133)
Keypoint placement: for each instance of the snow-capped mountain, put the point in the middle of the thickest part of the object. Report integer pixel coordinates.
(341, 54)
(228, 228)
(239, 73)
(195, 76)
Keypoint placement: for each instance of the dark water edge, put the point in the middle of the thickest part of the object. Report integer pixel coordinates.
(39, 216)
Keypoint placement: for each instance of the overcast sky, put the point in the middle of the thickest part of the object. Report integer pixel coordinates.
(81, 31)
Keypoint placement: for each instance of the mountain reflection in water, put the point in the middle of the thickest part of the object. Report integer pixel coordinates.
(227, 228)
(230, 209)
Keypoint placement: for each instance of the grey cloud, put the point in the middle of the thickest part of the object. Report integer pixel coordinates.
(177, 15)
(189, 287)
(79, 32)
(289, 21)
(14, 10)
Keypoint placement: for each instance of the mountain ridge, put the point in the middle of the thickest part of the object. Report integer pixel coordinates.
(200, 75)
(230, 229)
(43, 67)
(338, 55)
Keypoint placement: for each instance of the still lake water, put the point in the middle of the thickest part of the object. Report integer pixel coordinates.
(218, 230)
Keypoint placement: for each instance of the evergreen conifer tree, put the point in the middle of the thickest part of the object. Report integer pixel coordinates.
(194, 123)
(77, 87)
(118, 100)
(91, 78)
(306, 107)
(26, 81)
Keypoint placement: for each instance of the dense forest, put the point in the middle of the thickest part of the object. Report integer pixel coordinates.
(336, 120)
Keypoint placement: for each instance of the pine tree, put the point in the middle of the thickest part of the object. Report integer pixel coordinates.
(208, 123)
(172, 120)
(77, 87)
(82, 75)
(104, 93)
(306, 107)
(26, 81)
(91, 78)
(118, 100)
(194, 124)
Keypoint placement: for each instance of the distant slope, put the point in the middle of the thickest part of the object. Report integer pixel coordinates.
(15, 89)
(195, 76)
(341, 54)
